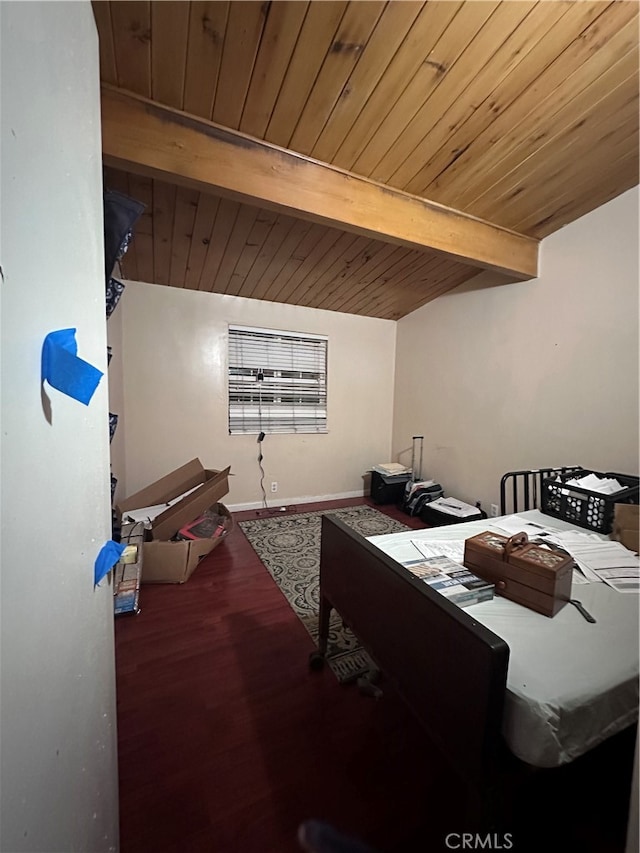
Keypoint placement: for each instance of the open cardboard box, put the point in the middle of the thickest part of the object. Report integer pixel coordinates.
(175, 562)
(626, 524)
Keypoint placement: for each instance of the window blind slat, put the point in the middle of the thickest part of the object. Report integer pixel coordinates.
(277, 382)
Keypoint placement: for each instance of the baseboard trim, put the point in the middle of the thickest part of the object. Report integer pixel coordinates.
(308, 499)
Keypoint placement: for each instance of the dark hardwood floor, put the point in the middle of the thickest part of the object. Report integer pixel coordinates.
(227, 741)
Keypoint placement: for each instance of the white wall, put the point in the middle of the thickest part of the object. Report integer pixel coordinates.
(175, 395)
(531, 374)
(58, 789)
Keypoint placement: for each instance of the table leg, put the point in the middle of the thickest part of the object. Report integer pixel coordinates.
(316, 659)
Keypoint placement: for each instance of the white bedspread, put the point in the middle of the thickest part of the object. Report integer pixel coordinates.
(570, 684)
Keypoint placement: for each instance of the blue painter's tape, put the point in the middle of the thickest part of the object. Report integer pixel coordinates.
(109, 555)
(63, 370)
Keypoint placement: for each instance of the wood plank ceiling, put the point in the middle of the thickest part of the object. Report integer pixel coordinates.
(474, 128)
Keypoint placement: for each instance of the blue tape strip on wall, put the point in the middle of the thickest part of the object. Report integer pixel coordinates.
(64, 371)
(109, 555)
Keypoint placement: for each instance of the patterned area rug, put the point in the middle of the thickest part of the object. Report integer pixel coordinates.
(289, 546)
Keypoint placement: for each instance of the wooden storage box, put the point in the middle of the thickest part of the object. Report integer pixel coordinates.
(525, 573)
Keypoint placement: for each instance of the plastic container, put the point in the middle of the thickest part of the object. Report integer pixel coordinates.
(591, 510)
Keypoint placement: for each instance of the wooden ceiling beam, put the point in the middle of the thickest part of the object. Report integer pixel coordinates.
(147, 138)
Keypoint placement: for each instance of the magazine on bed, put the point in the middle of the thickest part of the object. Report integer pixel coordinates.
(452, 580)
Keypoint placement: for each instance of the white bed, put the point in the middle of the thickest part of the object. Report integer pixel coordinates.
(571, 684)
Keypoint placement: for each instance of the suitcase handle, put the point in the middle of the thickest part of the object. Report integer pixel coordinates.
(513, 543)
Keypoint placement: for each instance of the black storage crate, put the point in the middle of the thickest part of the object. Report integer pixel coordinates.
(588, 509)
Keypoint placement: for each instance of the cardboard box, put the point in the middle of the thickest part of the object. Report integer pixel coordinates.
(174, 562)
(211, 487)
(626, 524)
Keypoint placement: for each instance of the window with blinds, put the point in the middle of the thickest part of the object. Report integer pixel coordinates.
(277, 381)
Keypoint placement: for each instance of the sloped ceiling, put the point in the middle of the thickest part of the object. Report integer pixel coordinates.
(362, 156)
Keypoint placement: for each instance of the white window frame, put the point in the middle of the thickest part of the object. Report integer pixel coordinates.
(277, 381)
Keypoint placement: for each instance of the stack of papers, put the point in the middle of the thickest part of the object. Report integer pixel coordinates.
(451, 548)
(452, 506)
(391, 468)
(597, 559)
(512, 524)
(604, 485)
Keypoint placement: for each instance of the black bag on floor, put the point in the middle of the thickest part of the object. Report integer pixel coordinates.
(418, 496)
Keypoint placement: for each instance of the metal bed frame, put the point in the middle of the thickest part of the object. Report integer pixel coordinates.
(522, 490)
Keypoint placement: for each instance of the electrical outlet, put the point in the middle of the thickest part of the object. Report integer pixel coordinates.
(274, 488)
(494, 510)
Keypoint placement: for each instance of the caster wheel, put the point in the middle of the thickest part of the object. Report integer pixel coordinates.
(316, 661)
